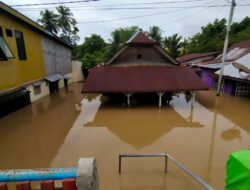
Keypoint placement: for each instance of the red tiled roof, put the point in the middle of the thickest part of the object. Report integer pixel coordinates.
(192, 56)
(107, 79)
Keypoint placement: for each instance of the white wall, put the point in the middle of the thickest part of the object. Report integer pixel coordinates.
(77, 71)
(44, 91)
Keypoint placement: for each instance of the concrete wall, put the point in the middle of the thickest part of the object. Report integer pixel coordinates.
(35, 94)
(57, 58)
(77, 71)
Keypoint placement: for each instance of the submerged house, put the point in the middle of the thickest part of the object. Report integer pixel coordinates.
(32, 60)
(142, 66)
(235, 82)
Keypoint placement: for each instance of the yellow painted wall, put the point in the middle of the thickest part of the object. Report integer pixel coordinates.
(15, 72)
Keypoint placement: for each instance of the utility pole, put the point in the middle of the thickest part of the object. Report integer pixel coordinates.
(233, 4)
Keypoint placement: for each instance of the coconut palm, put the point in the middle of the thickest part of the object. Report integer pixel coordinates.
(65, 19)
(173, 44)
(156, 33)
(49, 20)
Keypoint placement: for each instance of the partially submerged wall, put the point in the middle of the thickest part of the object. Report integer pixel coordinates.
(57, 58)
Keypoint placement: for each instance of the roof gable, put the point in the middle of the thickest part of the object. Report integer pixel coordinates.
(139, 40)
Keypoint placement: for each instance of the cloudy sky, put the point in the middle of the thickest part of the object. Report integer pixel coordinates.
(173, 16)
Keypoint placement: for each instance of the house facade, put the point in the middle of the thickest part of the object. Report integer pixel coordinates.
(234, 80)
(28, 55)
(142, 66)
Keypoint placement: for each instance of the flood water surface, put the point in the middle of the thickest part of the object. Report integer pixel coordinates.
(58, 130)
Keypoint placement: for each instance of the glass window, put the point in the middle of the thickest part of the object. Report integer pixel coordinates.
(9, 33)
(5, 52)
(20, 45)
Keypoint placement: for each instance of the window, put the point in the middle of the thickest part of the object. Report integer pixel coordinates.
(139, 56)
(20, 45)
(5, 52)
(8, 32)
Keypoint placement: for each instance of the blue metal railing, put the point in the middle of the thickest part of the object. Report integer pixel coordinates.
(37, 174)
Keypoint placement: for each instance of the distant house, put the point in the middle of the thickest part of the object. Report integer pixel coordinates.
(194, 58)
(142, 66)
(32, 60)
(234, 81)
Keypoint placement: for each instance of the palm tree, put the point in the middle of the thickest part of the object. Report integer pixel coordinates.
(65, 20)
(173, 44)
(48, 20)
(156, 33)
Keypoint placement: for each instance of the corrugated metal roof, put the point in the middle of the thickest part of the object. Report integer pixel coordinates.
(141, 38)
(142, 79)
(231, 71)
(192, 56)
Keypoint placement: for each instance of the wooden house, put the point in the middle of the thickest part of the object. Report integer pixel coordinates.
(142, 66)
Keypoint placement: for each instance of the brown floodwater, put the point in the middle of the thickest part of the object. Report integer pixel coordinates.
(59, 129)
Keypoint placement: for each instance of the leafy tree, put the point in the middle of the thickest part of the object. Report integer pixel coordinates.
(238, 27)
(94, 43)
(173, 44)
(49, 20)
(211, 37)
(240, 31)
(156, 33)
(71, 37)
(61, 23)
(119, 37)
(65, 20)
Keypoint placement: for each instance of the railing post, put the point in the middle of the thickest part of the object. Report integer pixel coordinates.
(87, 177)
(24, 185)
(120, 160)
(47, 185)
(166, 163)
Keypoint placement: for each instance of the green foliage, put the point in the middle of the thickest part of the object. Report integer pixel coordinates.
(48, 20)
(61, 22)
(119, 37)
(156, 33)
(94, 43)
(173, 44)
(240, 31)
(91, 51)
(210, 38)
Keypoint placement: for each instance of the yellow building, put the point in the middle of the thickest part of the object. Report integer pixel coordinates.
(31, 58)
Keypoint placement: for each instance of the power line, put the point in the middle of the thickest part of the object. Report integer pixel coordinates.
(53, 3)
(127, 18)
(112, 5)
(148, 8)
(187, 16)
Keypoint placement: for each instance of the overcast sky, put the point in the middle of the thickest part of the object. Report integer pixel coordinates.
(183, 20)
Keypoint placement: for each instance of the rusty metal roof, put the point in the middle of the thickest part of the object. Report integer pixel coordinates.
(139, 79)
(141, 37)
(193, 56)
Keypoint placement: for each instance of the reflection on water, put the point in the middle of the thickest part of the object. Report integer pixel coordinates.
(58, 130)
(151, 124)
